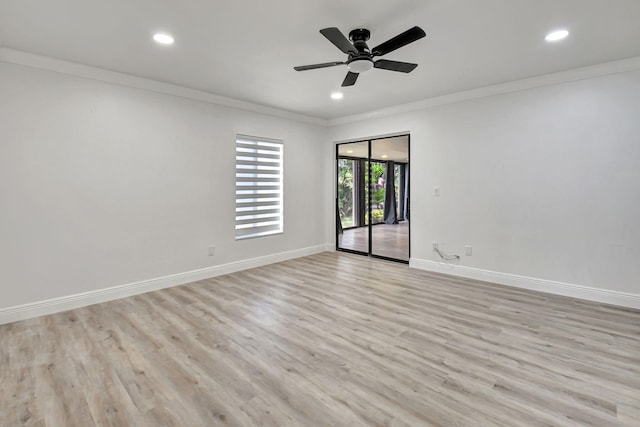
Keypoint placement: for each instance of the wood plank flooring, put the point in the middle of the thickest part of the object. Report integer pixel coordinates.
(328, 340)
(391, 241)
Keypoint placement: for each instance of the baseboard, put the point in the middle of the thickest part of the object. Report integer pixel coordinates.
(549, 286)
(56, 305)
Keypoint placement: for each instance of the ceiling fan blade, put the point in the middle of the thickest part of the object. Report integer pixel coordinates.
(314, 66)
(403, 67)
(350, 80)
(336, 37)
(409, 36)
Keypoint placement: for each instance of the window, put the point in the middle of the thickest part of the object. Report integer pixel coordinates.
(258, 187)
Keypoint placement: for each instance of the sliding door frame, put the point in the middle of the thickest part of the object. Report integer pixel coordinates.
(369, 209)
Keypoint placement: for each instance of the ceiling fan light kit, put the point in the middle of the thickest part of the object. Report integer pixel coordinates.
(360, 57)
(360, 65)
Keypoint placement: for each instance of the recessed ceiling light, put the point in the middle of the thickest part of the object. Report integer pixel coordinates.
(163, 38)
(337, 95)
(556, 36)
(384, 156)
(349, 151)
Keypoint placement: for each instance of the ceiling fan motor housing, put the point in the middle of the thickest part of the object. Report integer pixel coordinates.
(361, 62)
(359, 38)
(359, 34)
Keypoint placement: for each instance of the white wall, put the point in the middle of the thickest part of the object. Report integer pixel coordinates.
(104, 185)
(543, 183)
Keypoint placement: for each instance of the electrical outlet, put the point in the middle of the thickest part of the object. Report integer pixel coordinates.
(212, 250)
(434, 245)
(468, 250)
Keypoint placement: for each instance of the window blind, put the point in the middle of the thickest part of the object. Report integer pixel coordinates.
(259, 163)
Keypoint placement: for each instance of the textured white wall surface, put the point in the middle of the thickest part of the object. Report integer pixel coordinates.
(543, 183)
(103, 185)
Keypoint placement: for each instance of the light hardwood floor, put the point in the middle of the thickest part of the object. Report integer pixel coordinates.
(331, 339)
(391, 241)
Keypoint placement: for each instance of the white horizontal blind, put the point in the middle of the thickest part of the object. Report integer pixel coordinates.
(258, 187)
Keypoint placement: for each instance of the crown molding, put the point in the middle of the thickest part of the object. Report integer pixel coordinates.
(18, 57)
(608, 68)
(27, 59)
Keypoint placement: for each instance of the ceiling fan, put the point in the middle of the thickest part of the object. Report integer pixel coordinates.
(360, 57)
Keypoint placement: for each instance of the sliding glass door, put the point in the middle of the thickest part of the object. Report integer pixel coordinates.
(390, 227)
(373, 197)
(352, 197)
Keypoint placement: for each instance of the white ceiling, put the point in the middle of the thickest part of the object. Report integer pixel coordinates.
(245, 49)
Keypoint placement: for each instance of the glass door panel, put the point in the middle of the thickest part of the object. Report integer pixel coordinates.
(346, 190)
(377, 192)
(352, 197)
(389, 196)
